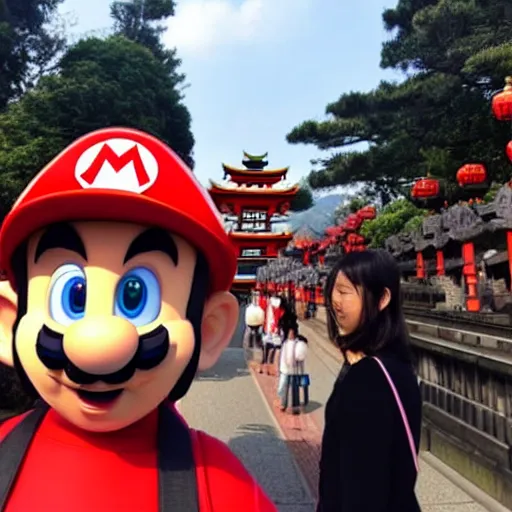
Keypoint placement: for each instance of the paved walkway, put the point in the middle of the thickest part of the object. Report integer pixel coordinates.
(226, 403)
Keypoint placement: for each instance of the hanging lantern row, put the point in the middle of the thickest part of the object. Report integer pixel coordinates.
(288, 276)
(345, 235)
(432, 193)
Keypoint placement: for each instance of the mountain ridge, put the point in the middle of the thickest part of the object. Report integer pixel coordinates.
(316, 219)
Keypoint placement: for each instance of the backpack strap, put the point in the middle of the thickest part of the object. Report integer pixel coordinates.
(13, 449)
(206, 500)
(402, 413)
(176, 466)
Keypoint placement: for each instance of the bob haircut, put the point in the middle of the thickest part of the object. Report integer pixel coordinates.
(371, 272)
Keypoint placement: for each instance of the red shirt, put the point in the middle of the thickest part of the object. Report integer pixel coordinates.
(68, 469)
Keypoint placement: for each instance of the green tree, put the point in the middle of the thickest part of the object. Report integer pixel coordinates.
(138, 20)
(28, 45)
(101, 83)
(303, 199)
(400, 215)
(141, 21)
(454, 54)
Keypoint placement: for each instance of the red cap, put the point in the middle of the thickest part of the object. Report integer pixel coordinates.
(123, 175)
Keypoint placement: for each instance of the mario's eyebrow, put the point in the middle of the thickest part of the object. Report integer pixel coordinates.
(153, 239)
(60, 236)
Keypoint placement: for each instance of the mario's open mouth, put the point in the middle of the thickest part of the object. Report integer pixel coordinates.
(99, 397)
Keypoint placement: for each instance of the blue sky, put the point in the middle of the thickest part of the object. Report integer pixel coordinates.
(257, 68)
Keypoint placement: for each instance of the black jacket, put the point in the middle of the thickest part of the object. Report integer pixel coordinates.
(366, 463)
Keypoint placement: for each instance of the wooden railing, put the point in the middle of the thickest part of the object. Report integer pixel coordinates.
(422, 295)
(466, 385)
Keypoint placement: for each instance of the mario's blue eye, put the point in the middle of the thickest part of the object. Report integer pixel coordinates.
(67, 294)
(138, 297)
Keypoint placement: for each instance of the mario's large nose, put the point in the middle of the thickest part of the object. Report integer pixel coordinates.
(101, 345)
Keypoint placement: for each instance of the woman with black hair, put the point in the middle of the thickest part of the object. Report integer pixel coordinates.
(288, 319)
(373, 416)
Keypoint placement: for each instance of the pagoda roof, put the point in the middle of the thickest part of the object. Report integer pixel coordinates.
(255, 158)
(216, 188)
(266, 235)
(256, 173)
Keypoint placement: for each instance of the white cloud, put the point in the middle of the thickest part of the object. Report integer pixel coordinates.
(200, 26)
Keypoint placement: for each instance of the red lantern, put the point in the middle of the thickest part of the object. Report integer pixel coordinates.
(353, 222)
(425, 188)
(471, 174)
(509, 150)
(325, 243)
(502, 102)
(334, 231)
(367, 213)
(355, 239)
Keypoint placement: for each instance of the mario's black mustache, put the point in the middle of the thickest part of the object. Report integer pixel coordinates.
(152, 350)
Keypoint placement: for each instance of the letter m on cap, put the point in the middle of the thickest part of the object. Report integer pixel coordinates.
(117, 162)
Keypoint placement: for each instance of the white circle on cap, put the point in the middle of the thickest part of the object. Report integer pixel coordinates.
(117, 164)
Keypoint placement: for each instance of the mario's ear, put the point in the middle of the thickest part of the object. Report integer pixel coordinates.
(219, 323)
(8, 307)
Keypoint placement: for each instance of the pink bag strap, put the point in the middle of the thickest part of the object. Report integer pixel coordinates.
(402, 412)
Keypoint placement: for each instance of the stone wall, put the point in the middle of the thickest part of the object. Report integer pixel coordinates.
(501, 295)
(455, 296)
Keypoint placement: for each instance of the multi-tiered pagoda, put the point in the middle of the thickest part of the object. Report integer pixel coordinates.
(254, 200)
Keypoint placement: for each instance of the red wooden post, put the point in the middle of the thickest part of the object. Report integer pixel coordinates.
(440, 263)
(509, 247)
(420, 266)
(470, 273)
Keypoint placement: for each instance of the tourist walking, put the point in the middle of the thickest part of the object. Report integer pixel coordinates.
(292, 370)
(373, 416)
(254, 320)
(272, 336)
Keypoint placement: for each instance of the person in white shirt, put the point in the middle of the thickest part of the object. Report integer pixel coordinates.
(254, 320)
(291, 367)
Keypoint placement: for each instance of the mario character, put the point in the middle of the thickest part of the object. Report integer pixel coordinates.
(119, 267)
